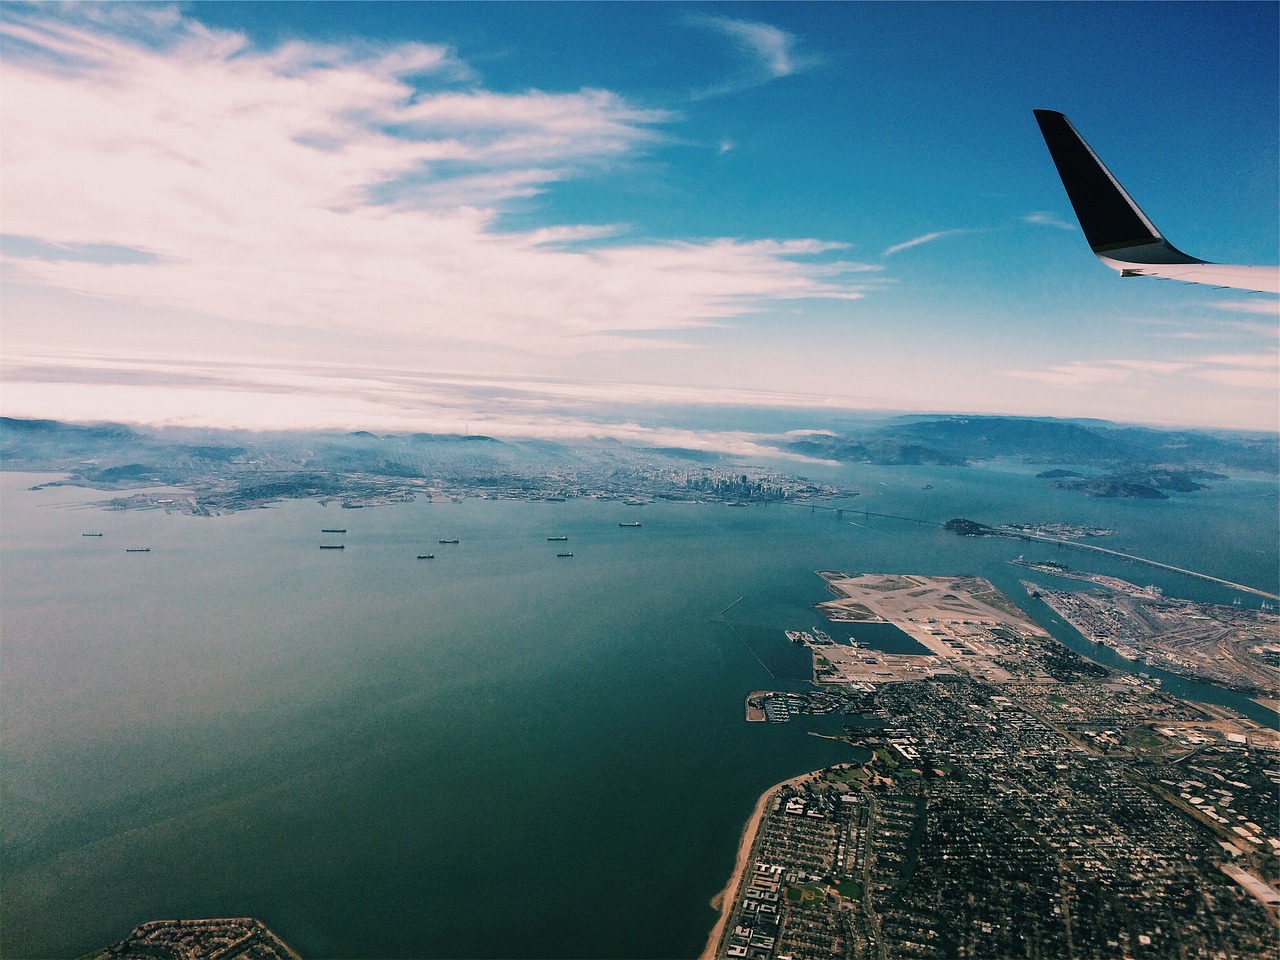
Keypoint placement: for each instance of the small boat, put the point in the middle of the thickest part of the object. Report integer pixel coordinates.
(426, 556)
(137, 549)
(564, 554)
(450, 541)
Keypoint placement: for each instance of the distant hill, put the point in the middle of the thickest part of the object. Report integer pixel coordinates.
(1109, 447)
(983, 438)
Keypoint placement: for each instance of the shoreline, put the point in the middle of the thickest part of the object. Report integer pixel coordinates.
(724, 900)
(1271, 703)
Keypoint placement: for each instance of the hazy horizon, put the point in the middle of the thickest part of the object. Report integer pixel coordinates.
(737, 424)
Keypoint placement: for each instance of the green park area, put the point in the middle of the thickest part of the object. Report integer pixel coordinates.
(805, 894)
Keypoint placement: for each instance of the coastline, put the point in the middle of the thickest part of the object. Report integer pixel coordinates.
(726, 898)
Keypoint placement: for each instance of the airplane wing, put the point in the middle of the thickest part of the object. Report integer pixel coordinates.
(1118, 232)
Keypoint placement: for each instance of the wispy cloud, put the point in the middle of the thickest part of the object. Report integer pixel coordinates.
(1260, 370)
(924, 238)
(354, 188)
(1252, 371)
(1266, 307)
(769, 52)
(18, 247)
(1077, 375)
(1213, 328)
(1268, 380)
(1042, 218)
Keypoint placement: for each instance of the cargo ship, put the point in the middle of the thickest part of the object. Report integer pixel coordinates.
(633, 523)
(557, 538)
(450, 541)
(334, 530)
(90, 534)
(426, 556)
(333, 546)
(564, 554)
(137, 549)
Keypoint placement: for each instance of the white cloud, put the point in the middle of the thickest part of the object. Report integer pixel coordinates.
(1156, 367)
(1247, 379)
(1043, 218)
(770, 53)
(1248, 371)
(1214, 328)
(1269, 308)
(315, 186)
(771, 47)
(1252, 361)
(1078, 375)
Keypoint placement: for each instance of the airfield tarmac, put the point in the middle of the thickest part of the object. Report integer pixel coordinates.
(965, 623)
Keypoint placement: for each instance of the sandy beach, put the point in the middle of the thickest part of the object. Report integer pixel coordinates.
(724, 900)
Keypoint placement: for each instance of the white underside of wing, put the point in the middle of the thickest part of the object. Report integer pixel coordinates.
(1260, 279)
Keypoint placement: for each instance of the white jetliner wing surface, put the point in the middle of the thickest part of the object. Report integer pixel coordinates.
(1118, 232)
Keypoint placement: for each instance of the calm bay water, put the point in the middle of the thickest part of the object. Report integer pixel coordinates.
(494, 753)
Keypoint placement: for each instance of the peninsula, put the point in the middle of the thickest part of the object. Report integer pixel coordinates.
(1005, 797)
(236, 938)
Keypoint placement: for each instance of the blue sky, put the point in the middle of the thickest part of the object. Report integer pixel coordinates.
(410, 216)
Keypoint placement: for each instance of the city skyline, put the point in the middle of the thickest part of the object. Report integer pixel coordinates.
(551, 218)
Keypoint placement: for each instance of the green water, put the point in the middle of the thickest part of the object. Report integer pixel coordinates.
(495, 753)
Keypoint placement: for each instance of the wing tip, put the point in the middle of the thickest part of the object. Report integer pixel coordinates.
(1117, 231)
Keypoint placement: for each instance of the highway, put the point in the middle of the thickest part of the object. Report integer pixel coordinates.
(1150, 563)
(996, 531)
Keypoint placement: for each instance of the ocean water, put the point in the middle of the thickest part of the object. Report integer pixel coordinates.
(495, 753)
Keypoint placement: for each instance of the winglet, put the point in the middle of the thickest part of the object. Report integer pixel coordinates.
(1119, 233)
(1117, 230)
